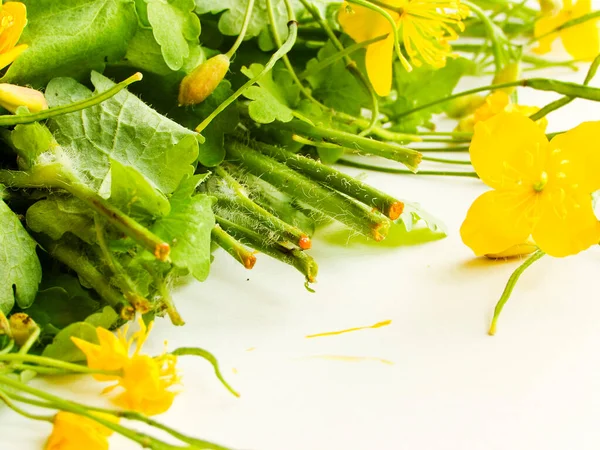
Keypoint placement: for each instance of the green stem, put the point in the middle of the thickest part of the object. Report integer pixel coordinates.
(512, 281)
(208, 356)
(491, 34)
(144, 440)
(445, 161)
(410, 158)
(566, 100)
(295, 257)
(358, 165)
(8, 402)
(167, 299)
(284, 49)
(51, 362)
(541, 84)
(80, 263)
(234, 247)
(40, 369)
(287, 231)
(10, 120)
(329, 202)
(389, 206)
(31, 340)
(242, 34)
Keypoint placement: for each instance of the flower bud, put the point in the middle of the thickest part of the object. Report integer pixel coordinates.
(463, 106)
(523, 249)
(510, 72)
(4, 326)
(203, 80)
(549, 7)
(22, 326)
(13, 96)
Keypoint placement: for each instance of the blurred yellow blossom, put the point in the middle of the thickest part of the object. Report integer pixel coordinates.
(426, 27)
(145, 380)
(13, 18)
(74, 432)
(541, 190)
(582, 41)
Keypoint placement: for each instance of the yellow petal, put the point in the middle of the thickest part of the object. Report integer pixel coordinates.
(543, 26)
(508, 150)
(574, 160)
(498, 220)
(567, 223)
(9, 57)
(362, 24)
(582, 41)
(15, 13)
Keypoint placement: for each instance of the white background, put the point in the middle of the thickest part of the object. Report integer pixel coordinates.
(451, 386)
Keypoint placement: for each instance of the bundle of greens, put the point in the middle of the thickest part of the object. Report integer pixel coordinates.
(223, 135)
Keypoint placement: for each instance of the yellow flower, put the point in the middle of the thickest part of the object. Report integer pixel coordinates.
(495, 103)
(541, 190)
(13, 18)
(74, 432)
(145, 380)
(426, 27)
(581, 41)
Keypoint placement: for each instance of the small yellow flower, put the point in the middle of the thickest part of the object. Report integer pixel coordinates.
(426, 27)
(496, 103)
(581, 41)
(145, 380)
(13, 18)
(74, 432)
(541, 190)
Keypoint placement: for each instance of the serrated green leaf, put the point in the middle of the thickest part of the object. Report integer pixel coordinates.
(274, 96)
(71, 37)
(133, 194)
(63, 348)
(123, 129)
(20, 269)
(188, 228)
(174, 26)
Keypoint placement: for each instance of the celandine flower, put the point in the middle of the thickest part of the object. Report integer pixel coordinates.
(495, 103)
(74, 432)
(426, 27)
(145, 380)
(541, 190)
(13, 18)
(581, 41)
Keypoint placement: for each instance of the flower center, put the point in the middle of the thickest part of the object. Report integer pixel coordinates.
(541, 183)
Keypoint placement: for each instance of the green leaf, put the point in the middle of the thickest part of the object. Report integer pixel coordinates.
(273, 98)
(133, 194)
(188, 228)
(63, 348)
(105, 318)
(32, 140)
(423, 85)
(413, 215)
(123, 129)
(57, 215)
(20, 269)
(71, 37)
(174, 26)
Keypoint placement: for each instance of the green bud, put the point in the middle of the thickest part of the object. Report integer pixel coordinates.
(22, 326)
(12, 97)
(510, 72)
(463, 106)
(203, 80)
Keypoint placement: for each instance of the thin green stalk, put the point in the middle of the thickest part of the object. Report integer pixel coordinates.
(287, 231)
(314, 195)
(410, 158)
(8, 402)
(446, 161)
(541, 84)
(242, 34)
(8, 348)
(568, 24)
(167, 300)
(389, 206)
(295, 258)
(51, 362)
(451, 149)
(284, 49)
(566, 100)
(491, 34)
(39, 369)
(31, 340)
(144, 440)
(512, 281)
(234, 247)
(208, 356)
(10, 120)
(86, 269)
(358, 165)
